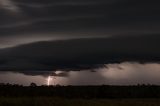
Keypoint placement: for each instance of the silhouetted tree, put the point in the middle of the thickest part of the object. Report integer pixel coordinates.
(33, 84)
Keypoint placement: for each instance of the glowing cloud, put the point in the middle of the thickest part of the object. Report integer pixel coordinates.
(9, 5)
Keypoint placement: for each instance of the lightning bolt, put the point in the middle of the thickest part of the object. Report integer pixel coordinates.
(49, 79)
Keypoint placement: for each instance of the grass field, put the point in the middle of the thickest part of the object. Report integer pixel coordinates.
(46, 101)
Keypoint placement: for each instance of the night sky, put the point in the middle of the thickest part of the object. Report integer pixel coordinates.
(77, 35)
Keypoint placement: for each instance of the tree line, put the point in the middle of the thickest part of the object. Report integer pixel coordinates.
(103, 91)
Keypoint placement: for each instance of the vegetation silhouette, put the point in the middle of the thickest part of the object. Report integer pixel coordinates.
(89, 92)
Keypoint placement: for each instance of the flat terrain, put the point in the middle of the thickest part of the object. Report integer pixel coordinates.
(140, 95)
(48, 101)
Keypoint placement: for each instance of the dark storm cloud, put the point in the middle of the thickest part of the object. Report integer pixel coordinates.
(78, 15)
(77, 54)
(46, 73)
(26, 21)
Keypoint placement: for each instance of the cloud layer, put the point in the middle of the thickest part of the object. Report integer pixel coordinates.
(78, 18)
(127, 73)
(80, 53)
(94, 32)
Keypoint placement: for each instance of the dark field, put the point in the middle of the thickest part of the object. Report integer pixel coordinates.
(79, 92)
(49, 101)
(140, 95)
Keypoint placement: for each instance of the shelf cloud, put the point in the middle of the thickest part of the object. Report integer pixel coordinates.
(84, 53)
(79, 34)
